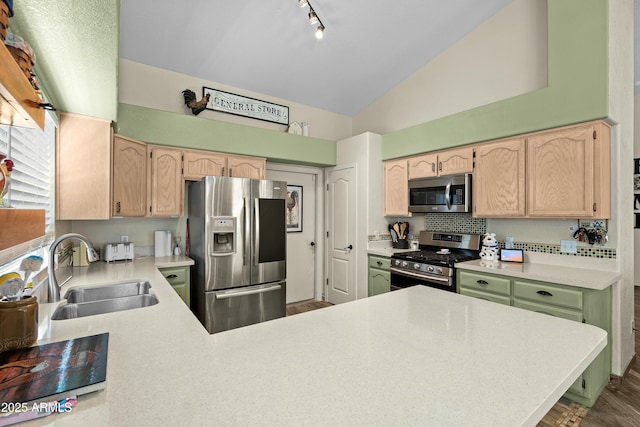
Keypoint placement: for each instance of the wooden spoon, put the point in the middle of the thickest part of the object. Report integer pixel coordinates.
(396, 228)
(403, 227)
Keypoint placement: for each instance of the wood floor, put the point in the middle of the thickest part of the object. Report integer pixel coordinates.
(617, 406)
(301, 307)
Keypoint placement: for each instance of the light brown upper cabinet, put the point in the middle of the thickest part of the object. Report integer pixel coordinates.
(499, 179)
(164, 183)
(246, 167)
(449, 162)
(83, 167)
(569, 172)
(198, 164)
(560, 173)
(396, 191)
(129, 177)
(98, 174)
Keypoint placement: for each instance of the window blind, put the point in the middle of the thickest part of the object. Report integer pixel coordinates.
(32, 178)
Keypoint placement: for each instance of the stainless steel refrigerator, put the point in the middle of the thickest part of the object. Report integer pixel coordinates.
(238, 240)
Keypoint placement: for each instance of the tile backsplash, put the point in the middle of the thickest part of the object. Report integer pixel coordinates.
(455, 223)
(466, 223)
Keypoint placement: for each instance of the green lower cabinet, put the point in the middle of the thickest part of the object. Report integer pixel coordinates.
(500, 299)
(180, 280)
(379, 275)
(569, 302)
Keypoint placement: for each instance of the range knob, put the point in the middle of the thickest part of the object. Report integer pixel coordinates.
(439, 270)
(430, 269)
(397, 262)
(405, 263)
(416, 266)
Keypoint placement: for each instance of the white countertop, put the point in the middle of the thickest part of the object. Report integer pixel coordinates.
(384, 248)
(172, 261)
(564, 275)
(415, 356)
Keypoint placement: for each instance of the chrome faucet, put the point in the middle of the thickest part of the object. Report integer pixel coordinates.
(92, 256)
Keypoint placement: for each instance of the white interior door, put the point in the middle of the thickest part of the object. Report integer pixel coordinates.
(341, 205)
(301, 245)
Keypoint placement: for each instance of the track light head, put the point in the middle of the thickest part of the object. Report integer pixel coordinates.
(320, 32)
(303, 3)
(313, 18)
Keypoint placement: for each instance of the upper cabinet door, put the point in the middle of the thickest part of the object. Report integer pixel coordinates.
(560, 173)
(449, 162)
(396, 188)
(166, 184)
(83, 168)
(246, 167)
(499, 179)
(129, 177)
(198, 164)
(423, 166)
(457, 161)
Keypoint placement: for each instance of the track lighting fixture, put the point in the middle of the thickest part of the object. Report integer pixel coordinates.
(314, 19)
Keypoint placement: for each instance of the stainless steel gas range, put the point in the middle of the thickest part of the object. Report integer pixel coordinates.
(433, 264)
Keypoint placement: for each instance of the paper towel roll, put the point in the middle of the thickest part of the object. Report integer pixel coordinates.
(163, 243)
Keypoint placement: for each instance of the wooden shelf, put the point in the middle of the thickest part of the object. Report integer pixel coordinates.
(19, 102)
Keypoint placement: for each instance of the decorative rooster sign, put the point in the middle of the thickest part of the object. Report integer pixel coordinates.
(192, 102)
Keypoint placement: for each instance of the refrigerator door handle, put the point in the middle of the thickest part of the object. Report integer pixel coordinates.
(256, 226)
(245, 246)
(241, 293)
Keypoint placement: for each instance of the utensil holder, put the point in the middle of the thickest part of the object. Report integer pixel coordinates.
(18, 323)
(400, 244)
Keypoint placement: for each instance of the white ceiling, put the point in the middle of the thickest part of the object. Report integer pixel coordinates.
(268, 46)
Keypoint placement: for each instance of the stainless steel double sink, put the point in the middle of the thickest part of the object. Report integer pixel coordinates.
(106, 298)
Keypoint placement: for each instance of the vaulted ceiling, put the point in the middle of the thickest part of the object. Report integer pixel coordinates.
(265, 46)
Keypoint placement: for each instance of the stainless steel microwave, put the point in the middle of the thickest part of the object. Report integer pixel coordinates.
(440, 194)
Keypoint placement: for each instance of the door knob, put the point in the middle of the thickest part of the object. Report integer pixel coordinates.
(313, 243)
(350, 247)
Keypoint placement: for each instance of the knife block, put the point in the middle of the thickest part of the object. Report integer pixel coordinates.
(400, 244)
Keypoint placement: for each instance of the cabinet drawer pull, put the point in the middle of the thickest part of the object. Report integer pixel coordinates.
(545, 293)
(172, 276)
(482, 282)
(379, 262)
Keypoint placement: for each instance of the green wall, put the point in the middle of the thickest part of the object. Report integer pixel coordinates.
(188, 131)
(577, 91)
(577, 88)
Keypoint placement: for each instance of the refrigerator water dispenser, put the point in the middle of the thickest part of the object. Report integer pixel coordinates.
(224, 230)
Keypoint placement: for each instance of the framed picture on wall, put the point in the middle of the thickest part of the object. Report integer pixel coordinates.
(294, 208)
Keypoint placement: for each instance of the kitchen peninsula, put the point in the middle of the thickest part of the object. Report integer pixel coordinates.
(415, 356)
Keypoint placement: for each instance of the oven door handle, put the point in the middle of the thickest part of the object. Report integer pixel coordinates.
(443, 280)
